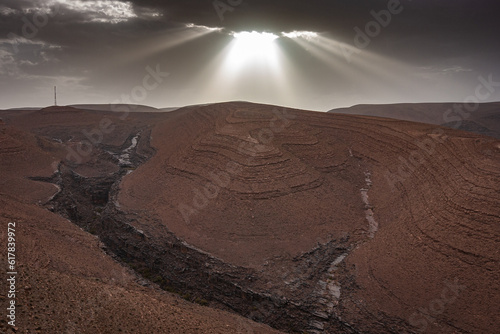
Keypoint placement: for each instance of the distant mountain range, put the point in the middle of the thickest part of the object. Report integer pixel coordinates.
(485, 120)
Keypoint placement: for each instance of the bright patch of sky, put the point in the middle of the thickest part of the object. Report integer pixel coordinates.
(101, 11)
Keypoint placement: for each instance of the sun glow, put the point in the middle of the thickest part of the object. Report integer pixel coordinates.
(255, 38)
(252, 66)
(251, 47)
(252, 54)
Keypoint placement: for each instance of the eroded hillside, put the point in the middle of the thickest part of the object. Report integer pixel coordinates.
(305, 221)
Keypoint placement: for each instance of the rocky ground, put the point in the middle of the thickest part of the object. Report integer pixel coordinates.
(307, 222)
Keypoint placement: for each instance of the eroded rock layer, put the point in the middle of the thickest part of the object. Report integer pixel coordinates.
(257, 186)
(306, 221)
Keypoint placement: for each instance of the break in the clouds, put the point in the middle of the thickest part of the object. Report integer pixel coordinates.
(99, 11)
(322, 54)
(108, 11)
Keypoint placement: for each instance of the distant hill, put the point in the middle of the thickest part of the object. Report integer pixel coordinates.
(169, 109)
(26, 108)
(56, 109)
(116, 107)
(485, 120)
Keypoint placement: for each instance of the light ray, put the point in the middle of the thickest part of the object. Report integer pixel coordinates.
(367, 69)
(162, 41)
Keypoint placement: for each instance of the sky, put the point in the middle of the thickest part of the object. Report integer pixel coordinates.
(314, 55)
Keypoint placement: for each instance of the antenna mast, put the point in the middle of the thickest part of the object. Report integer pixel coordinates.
(55, 95)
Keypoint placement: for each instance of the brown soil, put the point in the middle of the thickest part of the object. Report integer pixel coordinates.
(66, 282)
(313, 222)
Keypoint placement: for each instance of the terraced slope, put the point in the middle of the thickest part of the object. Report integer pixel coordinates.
(309, 222)
(18, 150)
(219, 188)
(66, 281)
(414, 207)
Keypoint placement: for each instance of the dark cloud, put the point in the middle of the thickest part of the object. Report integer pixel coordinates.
(101, 48)
(327, 14)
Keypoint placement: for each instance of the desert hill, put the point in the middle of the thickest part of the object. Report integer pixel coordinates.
(483, 119)
(121, 107)
(67, 283)
(305, 221)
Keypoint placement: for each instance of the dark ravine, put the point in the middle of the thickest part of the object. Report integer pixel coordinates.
(293, 303)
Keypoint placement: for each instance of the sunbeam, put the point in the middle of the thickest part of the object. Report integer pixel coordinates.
(161, 42)
(368, 70)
